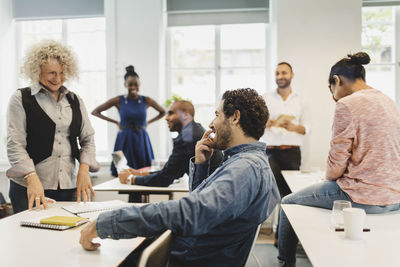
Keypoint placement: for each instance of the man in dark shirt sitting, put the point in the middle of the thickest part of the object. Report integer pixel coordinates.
(180, 119)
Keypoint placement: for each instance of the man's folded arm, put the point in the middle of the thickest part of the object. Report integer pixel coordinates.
(175, 168)
(226, 198)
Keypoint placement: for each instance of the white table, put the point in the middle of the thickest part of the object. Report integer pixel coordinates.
(26, 246)
(297, 180)
(327, 248)
(115, 185)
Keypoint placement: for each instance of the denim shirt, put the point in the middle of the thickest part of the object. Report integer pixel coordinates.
(215, 225)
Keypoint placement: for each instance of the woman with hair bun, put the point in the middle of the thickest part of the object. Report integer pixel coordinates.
(363, 164)
(132, 138)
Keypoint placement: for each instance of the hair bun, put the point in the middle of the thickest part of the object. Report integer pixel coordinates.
(130, 68)
(360, 58)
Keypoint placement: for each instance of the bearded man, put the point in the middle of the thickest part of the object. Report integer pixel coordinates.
(286, 127)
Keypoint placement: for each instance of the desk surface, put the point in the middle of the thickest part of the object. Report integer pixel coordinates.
(115, 185)
(26, 246)
(298, 180)
(327, 248)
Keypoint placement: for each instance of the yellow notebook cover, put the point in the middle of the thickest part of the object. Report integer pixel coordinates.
(64, 220)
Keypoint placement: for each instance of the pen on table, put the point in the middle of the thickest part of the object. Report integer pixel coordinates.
(342, 230)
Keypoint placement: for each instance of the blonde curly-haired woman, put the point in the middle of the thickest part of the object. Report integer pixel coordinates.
(46, 122)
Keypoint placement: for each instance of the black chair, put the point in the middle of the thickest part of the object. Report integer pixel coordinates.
(2, 199)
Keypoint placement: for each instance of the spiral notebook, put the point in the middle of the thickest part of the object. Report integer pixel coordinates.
(78, 208)
(55, 222)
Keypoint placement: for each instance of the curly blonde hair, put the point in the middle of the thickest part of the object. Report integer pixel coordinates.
(38, 54)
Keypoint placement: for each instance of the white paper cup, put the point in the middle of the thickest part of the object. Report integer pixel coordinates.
(353, 223)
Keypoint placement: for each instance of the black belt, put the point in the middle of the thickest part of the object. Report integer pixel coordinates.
(134, 127)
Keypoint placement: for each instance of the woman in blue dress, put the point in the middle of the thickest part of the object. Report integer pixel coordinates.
(132, 138)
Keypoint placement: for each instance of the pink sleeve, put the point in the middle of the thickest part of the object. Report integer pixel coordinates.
(341, 144)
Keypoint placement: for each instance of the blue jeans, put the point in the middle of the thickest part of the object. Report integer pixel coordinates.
(19, 198)
(320, 195)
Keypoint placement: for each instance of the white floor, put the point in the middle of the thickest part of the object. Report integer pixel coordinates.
(267, 256)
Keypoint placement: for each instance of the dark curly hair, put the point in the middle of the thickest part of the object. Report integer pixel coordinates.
(253, 110)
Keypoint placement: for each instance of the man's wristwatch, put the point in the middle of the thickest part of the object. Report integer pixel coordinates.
(129, 179)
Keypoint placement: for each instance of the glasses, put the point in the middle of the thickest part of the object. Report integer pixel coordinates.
(337, 212)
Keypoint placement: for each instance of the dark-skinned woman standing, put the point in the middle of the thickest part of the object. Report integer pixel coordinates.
(132, 138)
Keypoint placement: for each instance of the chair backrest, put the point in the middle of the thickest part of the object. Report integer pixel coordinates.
(254, 242)
(157, 253)
(2, 200)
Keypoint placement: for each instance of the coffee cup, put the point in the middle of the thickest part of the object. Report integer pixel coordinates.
(353, 223)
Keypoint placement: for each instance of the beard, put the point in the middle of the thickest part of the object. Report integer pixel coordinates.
(223, 137)
(285, 84)
(176, 126)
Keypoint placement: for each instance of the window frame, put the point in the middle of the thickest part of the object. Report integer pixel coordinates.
(217, 68)
(397, 53)
(396, 48)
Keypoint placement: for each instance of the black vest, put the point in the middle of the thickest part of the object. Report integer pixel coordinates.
(40, 129)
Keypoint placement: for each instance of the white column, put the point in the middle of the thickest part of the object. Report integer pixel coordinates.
(312, 35)
(7, 69)
(138, 30)
(7, 84)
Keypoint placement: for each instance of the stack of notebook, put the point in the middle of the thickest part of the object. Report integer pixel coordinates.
(55, 222)
(81, 212)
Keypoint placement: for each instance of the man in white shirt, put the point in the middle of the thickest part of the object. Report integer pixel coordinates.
(286, 127)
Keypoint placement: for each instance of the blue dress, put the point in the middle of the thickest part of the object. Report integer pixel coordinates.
(133, 139)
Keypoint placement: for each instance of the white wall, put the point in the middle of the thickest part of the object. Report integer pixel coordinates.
(138, 30)
(312, 35)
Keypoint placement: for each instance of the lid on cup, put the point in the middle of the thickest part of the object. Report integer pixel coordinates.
(354, 211)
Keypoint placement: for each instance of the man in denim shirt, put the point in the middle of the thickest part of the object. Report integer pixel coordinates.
(215, 225)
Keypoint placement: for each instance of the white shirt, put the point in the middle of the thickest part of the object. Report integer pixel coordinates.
(295, 106)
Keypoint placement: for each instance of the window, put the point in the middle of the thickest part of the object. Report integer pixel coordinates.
(243, 57)
(379, 41)
(87, 39)
(205, 61)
